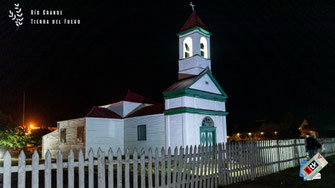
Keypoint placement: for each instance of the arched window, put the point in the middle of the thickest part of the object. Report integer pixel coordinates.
(207, 122)
(187, 47)
(203, 47)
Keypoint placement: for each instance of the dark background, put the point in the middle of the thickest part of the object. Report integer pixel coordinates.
(274, 58)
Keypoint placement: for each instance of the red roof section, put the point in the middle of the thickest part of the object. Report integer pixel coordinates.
(134, 97)
(149, 110)
(102, 113)
(193, 21)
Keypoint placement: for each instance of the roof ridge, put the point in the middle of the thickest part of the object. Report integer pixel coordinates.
(193, 21)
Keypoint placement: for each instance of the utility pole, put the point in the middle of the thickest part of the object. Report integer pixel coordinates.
(23, 107)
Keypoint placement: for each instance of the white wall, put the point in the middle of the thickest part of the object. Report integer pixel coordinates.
(104, 133)
(193, 124)
(193, 102)
(184, 129)
(174, 130)
(155, 132)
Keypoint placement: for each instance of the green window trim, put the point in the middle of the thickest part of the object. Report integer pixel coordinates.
(141, 132)
(195, 28)
(195, 111)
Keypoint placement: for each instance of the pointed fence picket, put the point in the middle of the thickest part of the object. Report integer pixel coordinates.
(192, 167)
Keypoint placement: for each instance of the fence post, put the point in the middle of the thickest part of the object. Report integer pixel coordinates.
(81, 169)
(119, 168)
(70, 169)
(126, 174)
(101, 168)
(150, 168)
(278, 155)
(90, 169)
(34, 170)
(7, 174)
(156, 168)
(47, 170)
(110, 168)
(163, 167)
(254, 155)
(175, 161)
(168, 171)
(22, 170)
(135, 171)
(59, 169)
(296, 153)
(142, 168)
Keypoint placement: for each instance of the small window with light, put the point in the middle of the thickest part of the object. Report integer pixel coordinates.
(203, 47)
(187, 47)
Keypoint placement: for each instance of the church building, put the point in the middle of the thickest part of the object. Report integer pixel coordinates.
(194, 112)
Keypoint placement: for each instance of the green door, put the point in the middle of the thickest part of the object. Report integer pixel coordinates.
(207, 136)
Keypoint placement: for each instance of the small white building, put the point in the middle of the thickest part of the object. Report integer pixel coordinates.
(194, 112)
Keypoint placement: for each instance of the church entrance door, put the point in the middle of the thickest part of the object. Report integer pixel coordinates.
(207, 136)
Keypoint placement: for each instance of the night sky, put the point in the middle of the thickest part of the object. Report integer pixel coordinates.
(273, 58)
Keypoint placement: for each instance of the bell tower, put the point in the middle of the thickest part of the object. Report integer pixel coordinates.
(194, 47)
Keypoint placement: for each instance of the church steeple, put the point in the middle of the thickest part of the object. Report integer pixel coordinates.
(194, 47)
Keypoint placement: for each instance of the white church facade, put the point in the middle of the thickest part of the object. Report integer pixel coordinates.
(194, 112)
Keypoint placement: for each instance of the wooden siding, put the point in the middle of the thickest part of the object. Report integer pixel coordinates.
(154, 128)
(71, 136)
(104, 133)
(174, 130)
(50, 142)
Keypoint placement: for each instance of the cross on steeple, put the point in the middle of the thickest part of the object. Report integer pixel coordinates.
(192, 5)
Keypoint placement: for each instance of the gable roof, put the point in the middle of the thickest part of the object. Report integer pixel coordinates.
(135, 97)
(185, 84)
(193, 21)
(102, 113)
(148, 110)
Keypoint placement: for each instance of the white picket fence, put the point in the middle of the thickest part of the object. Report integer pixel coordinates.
(192, 167)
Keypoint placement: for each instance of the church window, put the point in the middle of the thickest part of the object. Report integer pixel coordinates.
(207, 122)
(203, 47)
(187, 47)
(141, 132)
(62, 136)
(80, 134)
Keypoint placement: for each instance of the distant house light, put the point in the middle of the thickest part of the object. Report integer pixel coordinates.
(276, 132)
(262, 133)
(249, 134)
(238, 134)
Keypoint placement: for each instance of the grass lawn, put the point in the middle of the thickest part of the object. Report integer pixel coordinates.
(291, 178)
